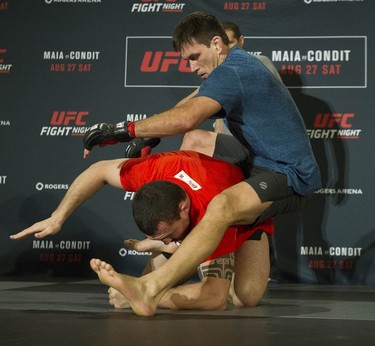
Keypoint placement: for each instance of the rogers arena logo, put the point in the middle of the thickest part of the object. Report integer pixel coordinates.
(4, 66)
(49, 2)
(343, 191)
(147, 6)
(125, 252)
(71, 61)
(308, 2)
(66, 123)
(43, 186)
(245, 6)
(4, 123)
(334, 125)
(3, 179)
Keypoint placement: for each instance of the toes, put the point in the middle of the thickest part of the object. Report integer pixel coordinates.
(102, 264)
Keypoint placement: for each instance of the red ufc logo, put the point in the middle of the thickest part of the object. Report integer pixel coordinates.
(65, 118)
(162, 61)
(2, 51)
(330, 120)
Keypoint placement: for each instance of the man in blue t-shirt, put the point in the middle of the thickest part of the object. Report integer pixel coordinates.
(268, 135)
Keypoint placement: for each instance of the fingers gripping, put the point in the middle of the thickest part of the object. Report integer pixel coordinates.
(105, 134)
(140, 147)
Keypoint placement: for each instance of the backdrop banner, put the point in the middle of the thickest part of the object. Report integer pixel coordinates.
(68, 64)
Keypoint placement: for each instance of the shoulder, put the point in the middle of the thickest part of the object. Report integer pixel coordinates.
(269, 64)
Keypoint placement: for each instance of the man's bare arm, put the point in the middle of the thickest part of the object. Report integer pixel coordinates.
(83, 187)
(187, 98)
(180, 119)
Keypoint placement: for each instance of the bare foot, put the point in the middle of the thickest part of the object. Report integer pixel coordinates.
(117, 300)
(133, 289)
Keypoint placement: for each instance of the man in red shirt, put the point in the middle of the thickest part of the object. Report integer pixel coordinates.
(183, 183)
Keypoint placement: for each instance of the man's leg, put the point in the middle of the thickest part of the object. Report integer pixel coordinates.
(211, 293)
(221, 146)
(237, 205)
(156, 260)
(199, 140)
(252, 268)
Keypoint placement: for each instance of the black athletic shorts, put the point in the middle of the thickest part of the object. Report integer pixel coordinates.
(268, 184)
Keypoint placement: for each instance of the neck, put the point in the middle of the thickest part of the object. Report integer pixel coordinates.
(223, 54)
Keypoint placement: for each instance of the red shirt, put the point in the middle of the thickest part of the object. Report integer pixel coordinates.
(202, 177)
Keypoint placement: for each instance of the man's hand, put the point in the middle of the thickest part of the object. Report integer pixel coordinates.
(140, 147)
(105, 134)
(150, 245)
(41, 229)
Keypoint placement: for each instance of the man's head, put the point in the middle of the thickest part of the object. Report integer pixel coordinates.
(201, 39)
(234, 34)
(161, 210)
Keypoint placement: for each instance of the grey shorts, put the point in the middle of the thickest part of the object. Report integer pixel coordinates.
(268, 184)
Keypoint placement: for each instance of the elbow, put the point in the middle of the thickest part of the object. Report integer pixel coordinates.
(187, 125)
(97, 170)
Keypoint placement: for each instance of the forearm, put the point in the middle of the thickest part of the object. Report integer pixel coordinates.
(154, 262)
(83, 187)
(177, 120)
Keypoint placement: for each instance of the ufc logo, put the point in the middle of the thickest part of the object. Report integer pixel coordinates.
(162, 61)
(65, 118)
(2, 51)
(330, 120)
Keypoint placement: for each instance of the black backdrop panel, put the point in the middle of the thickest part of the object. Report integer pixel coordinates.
(65, 65)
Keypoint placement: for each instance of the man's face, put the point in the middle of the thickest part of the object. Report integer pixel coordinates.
(203, 60)
(233, 40)
(176, 230)
(168, 232)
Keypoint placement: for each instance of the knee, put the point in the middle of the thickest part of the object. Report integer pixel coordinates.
(195, 140)
(247, 301)
(223, 207)
(219, 208)
(249, 297)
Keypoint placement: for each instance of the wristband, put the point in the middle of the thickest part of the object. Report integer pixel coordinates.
(131, 128)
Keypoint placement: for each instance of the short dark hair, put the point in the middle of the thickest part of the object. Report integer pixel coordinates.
(155, 202)
(233, 27)
(200, 27)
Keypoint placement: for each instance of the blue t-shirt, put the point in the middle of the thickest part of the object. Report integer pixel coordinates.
(260, 112)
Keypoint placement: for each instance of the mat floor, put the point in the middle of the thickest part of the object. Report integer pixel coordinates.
(78, 313)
